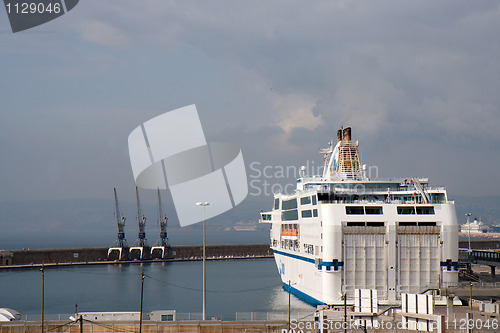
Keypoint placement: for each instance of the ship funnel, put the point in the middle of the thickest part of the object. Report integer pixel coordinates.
(342, 160)
(346, 135)
(339, 135)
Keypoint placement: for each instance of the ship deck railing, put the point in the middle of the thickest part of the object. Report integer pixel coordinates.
(317, 178)
(360, 189)
(380, 202)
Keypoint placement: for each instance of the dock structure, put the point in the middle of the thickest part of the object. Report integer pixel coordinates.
(27, 257)
(141, 220)
(99, 255)
(140, 252)
(139, 249)
(161, 249)
(489, 258)
(118, 253)
(120, 250)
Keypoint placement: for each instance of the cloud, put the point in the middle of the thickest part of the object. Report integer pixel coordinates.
(277, 78)
(102, 33)
(296, 112)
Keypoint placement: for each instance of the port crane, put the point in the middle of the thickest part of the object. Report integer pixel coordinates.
(120, 222)
(141, 219)
(162, 219)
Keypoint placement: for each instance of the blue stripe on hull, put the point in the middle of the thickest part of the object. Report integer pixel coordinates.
(328, 264)
(300, 294)
(303, 296)
(294, 256)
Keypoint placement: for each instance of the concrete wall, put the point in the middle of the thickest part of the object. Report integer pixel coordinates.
(222, 251)
(99, 254)
(480, 244)
(52, 256)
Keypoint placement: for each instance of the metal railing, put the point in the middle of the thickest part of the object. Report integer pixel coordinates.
(147, 327)
(47, 317)
(372, 190)
(481, 284)
(187, 316)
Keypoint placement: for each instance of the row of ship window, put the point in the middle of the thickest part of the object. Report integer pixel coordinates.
(382, 224)
(294, 245)
(377, 210)
(289, 230)
(293, 214)
(292, 203)
(293, 229)
(290, 209)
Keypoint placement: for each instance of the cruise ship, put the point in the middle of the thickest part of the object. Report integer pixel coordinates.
(342, 231)
(475, 227)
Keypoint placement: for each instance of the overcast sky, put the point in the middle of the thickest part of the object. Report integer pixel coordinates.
(418, 81)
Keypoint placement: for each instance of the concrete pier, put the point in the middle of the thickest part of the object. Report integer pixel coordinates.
(99, 255)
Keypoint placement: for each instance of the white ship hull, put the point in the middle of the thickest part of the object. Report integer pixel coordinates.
(333, 236)
(289, 266)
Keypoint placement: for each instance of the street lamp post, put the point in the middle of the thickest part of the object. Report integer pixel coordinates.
(345, 312)
(43, 295)
(142, 297)
(468, 225)
(289, 290)
(204, 315)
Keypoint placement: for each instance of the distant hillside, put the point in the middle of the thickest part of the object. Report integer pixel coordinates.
(89, 216)
(56, 215)
(486, 207)
(94, 218)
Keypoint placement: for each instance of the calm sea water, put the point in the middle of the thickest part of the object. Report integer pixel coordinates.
(251, 285)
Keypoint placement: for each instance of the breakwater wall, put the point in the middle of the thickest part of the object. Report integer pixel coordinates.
(483, 244)
(95, 255)
(30, 257)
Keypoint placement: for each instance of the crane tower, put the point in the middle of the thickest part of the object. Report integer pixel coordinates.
(120, 222)
(141, 219)
(163, 240)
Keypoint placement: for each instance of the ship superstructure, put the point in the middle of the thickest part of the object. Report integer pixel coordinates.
(342, 231)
